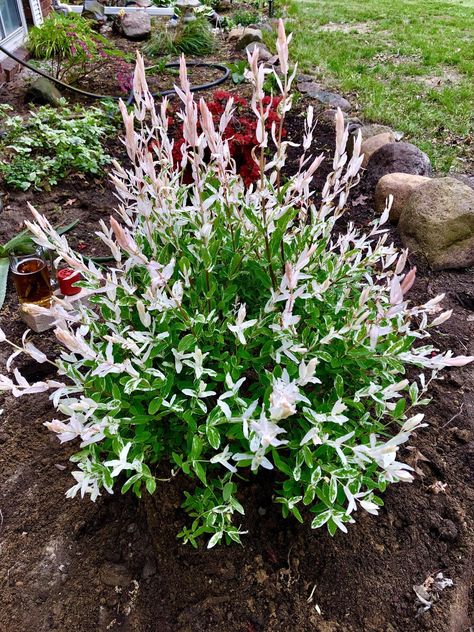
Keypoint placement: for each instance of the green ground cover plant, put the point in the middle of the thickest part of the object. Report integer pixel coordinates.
(237, 330)
(53, 142)
(409, 64)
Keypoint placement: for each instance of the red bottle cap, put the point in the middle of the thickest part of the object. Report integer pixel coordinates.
(66, 278)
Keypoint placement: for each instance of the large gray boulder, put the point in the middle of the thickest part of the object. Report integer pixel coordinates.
(94, 11)
(397, 158)
(330, 99)
(374, 143)
(44, 92)
(263, 53)
(465, 179)
(373, 129)
(136, 26)
(400, 186)
(243, 36)
(437, 223)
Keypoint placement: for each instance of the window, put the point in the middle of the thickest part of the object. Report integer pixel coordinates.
(10, 18)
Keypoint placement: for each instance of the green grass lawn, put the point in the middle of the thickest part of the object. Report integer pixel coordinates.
(406, 63)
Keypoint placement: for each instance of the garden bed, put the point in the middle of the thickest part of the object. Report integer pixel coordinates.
(116, 564)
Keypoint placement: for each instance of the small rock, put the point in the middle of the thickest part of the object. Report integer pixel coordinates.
(331, 99)
(244, 36)
(44, 92)
(438, 223)
(114, 574)
(261, 576)
(304, 78)
(149, 568)
(329, 116)
(373, 129)
(263, 53)
(461, 435)
(227, 571)
(374, 143)
(465, 179)
(136, 26)
(186, 5)
(94, 11)
(401, 186)
(448, 531)
(397, 158)
(3, 437)
(235, 33)
(266, 27)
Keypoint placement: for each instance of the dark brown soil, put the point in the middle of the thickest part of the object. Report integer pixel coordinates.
(71, 565)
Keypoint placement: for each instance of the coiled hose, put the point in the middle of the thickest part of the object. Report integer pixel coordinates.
(91, 95)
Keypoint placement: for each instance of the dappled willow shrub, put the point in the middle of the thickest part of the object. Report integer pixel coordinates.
(236, 331)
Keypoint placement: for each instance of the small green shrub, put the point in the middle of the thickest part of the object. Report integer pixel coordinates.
(238, 71)
(71, 46)
(245, 18)
(190, 38)
(52, 143)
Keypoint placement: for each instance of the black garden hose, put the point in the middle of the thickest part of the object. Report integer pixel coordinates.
(91, 95)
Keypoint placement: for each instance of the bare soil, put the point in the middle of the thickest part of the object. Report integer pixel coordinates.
(71, 565)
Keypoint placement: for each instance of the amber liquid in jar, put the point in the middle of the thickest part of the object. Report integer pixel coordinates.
(32, 282)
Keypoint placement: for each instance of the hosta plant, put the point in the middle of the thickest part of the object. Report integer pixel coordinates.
(239, 328)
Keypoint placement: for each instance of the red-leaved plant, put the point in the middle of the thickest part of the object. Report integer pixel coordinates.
(240, 131)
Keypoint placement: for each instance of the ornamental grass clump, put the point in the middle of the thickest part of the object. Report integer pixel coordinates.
(237, 330)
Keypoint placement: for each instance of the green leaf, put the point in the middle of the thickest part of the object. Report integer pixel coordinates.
(154, 405)
(131, 481)
(308, 456)
(217, 537)
(196, 447)
(339, 385)
(333, 489)
(295, 511)
(4, 266)
(177, 459)
(309, 495)
(281, 465)
(399, 408)
(200, 472)
(186, 343)
(150, 485)
(227, 491)
(316, 475)
(237, 506)
(320, 519)
(61, 230)
(213, 437)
